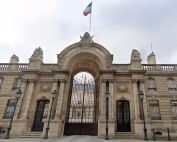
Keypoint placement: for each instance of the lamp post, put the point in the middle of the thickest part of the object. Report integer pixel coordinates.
(141, 94)
(17, 96)
(54, 94)
(107, 109)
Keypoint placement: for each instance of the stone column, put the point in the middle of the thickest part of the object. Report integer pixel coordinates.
(60, 99)
(54, 87)
(136, 100)
(20, 101)
(147, 120)
(112, 105)
(142, 88)
(102, 99)
(57, 124)
(111, 100)
(28, 98)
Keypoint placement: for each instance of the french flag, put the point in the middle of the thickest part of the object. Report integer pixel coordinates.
(88, 9)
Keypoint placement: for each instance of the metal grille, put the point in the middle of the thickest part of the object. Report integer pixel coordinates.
(82, 104)
(81, 114)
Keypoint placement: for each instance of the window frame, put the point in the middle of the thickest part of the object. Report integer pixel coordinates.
(171, 84)
(155, 104)
(9, 109)
(17, 84)
(151, 84)
(173, 104)
(1, 81)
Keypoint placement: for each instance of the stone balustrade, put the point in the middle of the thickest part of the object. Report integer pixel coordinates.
(4, 66)
(7, 66)
(160, 67)
(22, 66)
(120, 67)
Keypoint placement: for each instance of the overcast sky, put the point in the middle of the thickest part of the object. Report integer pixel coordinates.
(118, 25)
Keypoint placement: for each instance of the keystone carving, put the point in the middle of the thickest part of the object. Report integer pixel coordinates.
(86, 40)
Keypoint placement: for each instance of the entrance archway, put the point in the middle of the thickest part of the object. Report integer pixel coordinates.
(88, 56)
(123, 116)
(82, 107)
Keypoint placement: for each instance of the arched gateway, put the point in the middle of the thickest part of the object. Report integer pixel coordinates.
(85, 56)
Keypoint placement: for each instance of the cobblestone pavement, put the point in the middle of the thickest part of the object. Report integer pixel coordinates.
(71, 139)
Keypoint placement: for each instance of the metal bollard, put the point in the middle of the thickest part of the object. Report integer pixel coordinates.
(169, 137)
(153, 136)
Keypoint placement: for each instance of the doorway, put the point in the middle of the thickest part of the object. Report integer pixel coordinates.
(123, 116)
(38, 120)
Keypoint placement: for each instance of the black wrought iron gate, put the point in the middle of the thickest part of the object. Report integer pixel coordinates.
(81, 114)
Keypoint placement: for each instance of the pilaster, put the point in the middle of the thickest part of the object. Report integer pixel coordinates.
(60, 98)
(28, 98)
(19, 105)
(136, 100)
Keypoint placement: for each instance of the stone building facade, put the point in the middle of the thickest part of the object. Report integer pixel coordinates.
(138, 93)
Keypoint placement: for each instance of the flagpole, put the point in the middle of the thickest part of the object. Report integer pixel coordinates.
(90, 19)
(90, 22)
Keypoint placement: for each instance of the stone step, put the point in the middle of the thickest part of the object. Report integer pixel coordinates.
(124, 135)
(31, 135)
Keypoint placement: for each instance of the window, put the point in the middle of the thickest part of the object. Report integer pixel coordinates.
(17, 84)
(154, 110)
(9, 109)
(174, 109)
(151, 84)
(1, 81)
(171, 85)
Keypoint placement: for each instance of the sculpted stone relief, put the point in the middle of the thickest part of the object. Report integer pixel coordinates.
(123, 86)
(38, 52)
(86, 40)
(45, 86)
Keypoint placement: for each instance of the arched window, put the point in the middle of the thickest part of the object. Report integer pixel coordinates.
(17, 84)
(154, 110)
(151, 84)
(171, 84)
(174, 109)
(1, 81)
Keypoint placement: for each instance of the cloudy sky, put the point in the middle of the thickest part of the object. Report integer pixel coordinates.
(118, 25)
